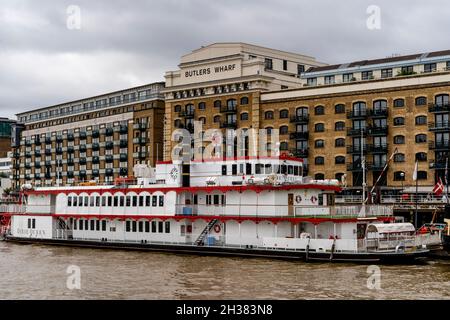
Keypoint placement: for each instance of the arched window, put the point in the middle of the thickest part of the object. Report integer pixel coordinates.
(217, 104)
(319, 110)
(421, 120)
(422, 175)
(379, 105)
(399, 176)
(359, 108)
(202, 106)
(177, 108)
(244, 100)
(284, 114)
(319, 160)
(319, 143)
(268, 115)
(339, 160)
(338, 176)
(301, 111)
(177, 124)
(399, 139)
(319, 127)
(284, 130)
(202, 119)
(399, 157)
(421, 101)
(231, 103)
(399, 121)
(216, 119)
(339, 142)
(421, 156)
(284, 146)
(339, 126)
(441, 100)
(398, 103)
(339, 108)
(319, 176)
(269, 130)
(244, 116)
(421, 138)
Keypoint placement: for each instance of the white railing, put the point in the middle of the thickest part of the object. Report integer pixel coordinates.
(12, 208)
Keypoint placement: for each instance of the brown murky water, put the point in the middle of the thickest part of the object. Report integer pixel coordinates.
(39, 272)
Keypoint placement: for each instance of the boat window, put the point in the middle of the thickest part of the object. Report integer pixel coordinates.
(208, 199)
(167, 226)
(134, 201)
(141, 201)
(97, 225)
(128, 201)
(320, 199)
(241, 168)
(33, 223)
(268, 169)
(147, 226)
(92, 201)
(248, 168)
(224, 170)
(103, 201)
(257, 168)
(69, 201)
(141, 226)
(234, 169)
(223, 199)
(86, 201)
(296, 170)
(283, 169)
(116, 201)
(81, 224)
(290, 169)
(160, 227)
(86, 224)
(97, 201)
(216, 199)
(134, 226)
(74, 201)
(154, 201)
(29, 223)
(92, 225)
(147, 201)
(110, 201)
(161, 201)
(128, 226)
(75, 224)
(153, 226)
(122, 201)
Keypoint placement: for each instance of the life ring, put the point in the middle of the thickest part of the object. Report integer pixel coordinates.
(298, 199)
(217, 228)
(313, 199)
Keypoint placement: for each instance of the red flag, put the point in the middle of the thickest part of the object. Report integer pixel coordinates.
(438, 188)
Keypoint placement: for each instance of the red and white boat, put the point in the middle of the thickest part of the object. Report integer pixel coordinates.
(239, 206)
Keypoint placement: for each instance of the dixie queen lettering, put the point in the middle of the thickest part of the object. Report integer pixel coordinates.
(206, 71)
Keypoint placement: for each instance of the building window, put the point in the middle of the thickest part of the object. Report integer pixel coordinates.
(284, 114)
(399, 157)
(422, 175)
(319, 127)
(244, 100)
(339, 126)
(202, 120)
(319, 176)
(201, 106)
(347, 77)
(285, 65)
(398, 103)
(421, 156)
(300, 69)
(284, 130)
(329, 79)
(177, 108)
(399, 121)
(269, 130)
(448, 65)
(367, 75)
(319, 160)
(421, 120)
(442, 100)
(386, 73)
(284, 146)
(216, 119)
(421, 101)
(399, 176)
(311, 81)
(339, 108)
(408, 70)
(429, 67)
(319, 110)
(399, 139)
(339, 160)
(244, 116)
(268, 115)
(319, 143)
(268, 63)
(217, 104)
(339, 142)
(421, 138)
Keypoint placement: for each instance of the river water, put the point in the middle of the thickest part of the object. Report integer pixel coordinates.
(40, 272)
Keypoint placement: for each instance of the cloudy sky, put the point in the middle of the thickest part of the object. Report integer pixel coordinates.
(126, 43)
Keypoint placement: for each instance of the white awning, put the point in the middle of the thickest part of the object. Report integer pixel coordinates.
(391, 227)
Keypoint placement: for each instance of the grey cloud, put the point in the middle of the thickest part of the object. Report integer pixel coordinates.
(126, 43)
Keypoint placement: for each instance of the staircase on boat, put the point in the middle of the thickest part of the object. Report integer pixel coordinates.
(201, 238)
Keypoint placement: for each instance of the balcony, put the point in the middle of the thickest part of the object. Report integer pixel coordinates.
(59, 150)
(123, 157)
(95, 133)
(27, 165)
(70, 162)
(109, 145)
(123, 172)
(82, 173)
(37, 141)
(300, 153)
(83, 135)
(300, 119)
(70, 174)
(70, 150)
(59, 139)
(141, 155)
(356, 149)
(109, 172)
(48, 152)
(378, 113)
(27, 154)
(140, 140)
(437, 165)
(95, 173)
(187, 114)
(354, 166)
(37, 176)
(299, 135)
(95, 160)
(357, 132)
(70, 137)
(48, 163)
(439, 145)
(109, 132)
(141, 126)
(357, 114)
(96, 146)
(379, 166)
(123, 130)
(438, 108)
(109, 159)
(83, 148)
(378, 148)
(228, 125)
(123, 143)
(37, 153)
(28, 143)
(228, 109)
(378, 131)
(37, 165)
(28, 177)
(48, 140)
(439, 126)
(82, 161)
